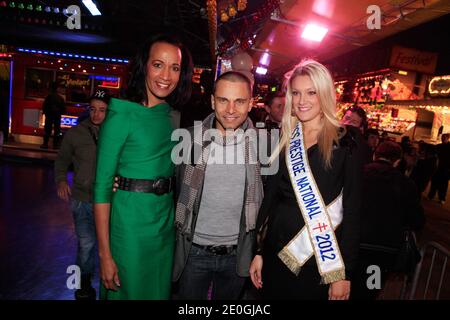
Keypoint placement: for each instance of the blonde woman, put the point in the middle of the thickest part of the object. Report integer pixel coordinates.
(308, 224)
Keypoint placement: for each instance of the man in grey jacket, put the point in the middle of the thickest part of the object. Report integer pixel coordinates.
(219, 194)
(79, 149)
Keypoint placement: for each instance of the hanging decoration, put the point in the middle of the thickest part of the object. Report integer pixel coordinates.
(243, 63)
(242, 5)
(224, 16)
(41, 15)
(232, 9)
(211, 6)
(243, 36)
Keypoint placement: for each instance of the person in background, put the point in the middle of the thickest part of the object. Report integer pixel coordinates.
(439, 182)
(384, 137)
(79, 148)
(275, 108)
(409, 159)
(425, 166)
(405, 143)
(355, 120)
(199, 106)
(355, 117)
(440, 131)
(391, 204)
(373, 139)
(53, 108)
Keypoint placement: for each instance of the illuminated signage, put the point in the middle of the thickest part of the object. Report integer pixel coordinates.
(107, 82)
(68, 121)
(73, 80)
(439, 86)
(74, 55)
(415, 60)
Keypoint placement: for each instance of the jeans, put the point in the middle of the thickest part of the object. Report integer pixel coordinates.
(83, 218)
(202, 269)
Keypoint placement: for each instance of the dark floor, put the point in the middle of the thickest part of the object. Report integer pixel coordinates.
(436, 229)
(37, 241)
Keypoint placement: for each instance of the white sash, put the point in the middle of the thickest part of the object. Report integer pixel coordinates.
(317, 237)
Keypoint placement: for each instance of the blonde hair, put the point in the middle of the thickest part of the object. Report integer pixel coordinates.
(324, 86)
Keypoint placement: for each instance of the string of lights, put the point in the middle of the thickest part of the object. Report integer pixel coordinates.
(74, 55)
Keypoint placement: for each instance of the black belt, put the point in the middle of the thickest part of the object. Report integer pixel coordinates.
(217, 250)
(158, 186)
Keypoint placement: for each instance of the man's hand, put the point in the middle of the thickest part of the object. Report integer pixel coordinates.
(64, 191)
(339, 290)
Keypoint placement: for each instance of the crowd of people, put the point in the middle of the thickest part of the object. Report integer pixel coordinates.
(201, 229)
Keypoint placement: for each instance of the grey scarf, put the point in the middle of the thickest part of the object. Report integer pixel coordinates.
(194, 175)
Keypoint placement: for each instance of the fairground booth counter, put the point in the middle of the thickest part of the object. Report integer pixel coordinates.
(375, 92)
(77, 77)
(404, 99)
(432, 113)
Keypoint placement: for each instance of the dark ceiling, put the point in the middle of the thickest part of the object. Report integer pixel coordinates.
(125, 24)
(346, 21)
(122, 27)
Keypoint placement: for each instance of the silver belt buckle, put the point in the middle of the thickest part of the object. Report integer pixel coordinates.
(158, 186)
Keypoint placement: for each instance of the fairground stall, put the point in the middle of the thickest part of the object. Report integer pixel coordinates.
(77, 76)
(397, 99)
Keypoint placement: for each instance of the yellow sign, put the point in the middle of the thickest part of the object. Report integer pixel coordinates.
(67, 81)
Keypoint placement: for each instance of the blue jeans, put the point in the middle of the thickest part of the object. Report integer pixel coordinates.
(83, 218)
(202, 269)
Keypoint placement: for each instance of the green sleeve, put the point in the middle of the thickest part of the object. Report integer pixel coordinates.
(112, 137)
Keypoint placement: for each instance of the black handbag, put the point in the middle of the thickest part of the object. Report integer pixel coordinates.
(408, 255)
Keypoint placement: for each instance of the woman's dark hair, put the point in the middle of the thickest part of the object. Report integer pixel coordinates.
(389, 150)
(272, 95)
(53, 86)
(137, 91)
(362, 114)
(371, 132)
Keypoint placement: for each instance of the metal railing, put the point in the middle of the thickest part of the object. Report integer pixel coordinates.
(437, 250)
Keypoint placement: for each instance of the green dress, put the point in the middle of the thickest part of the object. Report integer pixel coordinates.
(134, 142)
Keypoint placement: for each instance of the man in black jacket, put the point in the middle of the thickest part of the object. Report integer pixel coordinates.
(440, 179)
(391, 204)
(53, 108)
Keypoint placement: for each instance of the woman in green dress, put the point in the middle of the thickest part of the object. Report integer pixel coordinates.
(135, 227)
